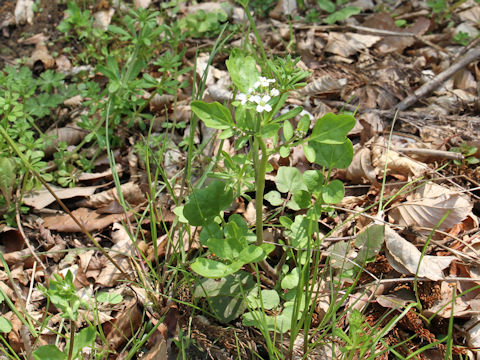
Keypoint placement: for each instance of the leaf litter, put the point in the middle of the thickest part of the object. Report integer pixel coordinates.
(368, 64)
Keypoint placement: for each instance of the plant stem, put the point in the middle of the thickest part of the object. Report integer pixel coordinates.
(72, 339)
(260, 171)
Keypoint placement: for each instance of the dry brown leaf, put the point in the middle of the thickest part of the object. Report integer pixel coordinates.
(68, 134)
(39, 199)
(348, 44)
(325, 84)
(158, 349)
(472, 329)
(63, 64)
(390, 44)
(125, 324)
(443, 307)
(41, 54)
(107, 174)
(10, 240)
(396, 163)
(91, 220)
(404, 257)
(428, 204)
(361, 167)
(72, 102)
(131, 193)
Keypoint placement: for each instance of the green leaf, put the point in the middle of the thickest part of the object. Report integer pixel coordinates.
(109, 298)
(84, 338)
(204, 204)
(369, 241)
(48, 352)
(289, 114)
(309, 152)
(214, 269)
(274, 198)
(243, 70)
(251, 254)
(227, 308)
(214, 115)
(332, 129)
(303, 199)
(269, 298)
(284, 151)
(339, 254)
(291, 280)
(227, 249)
(8, 176)
(342, 14)
(287, 130)
(333, 192)
(333, 155)
(229, 285)
(5, 325)
(314, 180)
(270, 130)
(304, 124)
(289, 179)
(326, 5)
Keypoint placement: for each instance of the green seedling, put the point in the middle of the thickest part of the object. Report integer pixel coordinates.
(63, 294)
(468, 152)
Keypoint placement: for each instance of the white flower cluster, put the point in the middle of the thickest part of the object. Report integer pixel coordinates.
(261, 99)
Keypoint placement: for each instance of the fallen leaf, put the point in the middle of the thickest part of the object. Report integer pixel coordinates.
(124, 326)
(131, 193)
(39, 199)
(404, 257)
(90, 219)
(429, 204)
(347, 44)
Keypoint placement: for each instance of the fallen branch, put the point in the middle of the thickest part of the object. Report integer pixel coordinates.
(425, 89)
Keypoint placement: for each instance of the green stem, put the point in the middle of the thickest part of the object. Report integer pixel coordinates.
(257, 35)
(72, 339)
(260, 170)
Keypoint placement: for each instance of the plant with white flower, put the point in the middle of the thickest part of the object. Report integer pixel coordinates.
(262, 103)
(263, 82)
(243, 98)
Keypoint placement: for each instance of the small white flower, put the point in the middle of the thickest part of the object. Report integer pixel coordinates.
(256, 85)
(243, 98)
(263, 103)
(274, 92)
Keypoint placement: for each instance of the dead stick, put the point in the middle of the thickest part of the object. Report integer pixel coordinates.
(425, 89)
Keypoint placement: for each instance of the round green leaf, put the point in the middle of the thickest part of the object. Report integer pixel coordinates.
(109, 298)
(48, 352)
(289, 179)
(214, 269)
(291, 280)
(333, 155)
(314, 180)
(5, 325)
(334, 192)
(270, 300)
(274, 198)
(204, 204)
